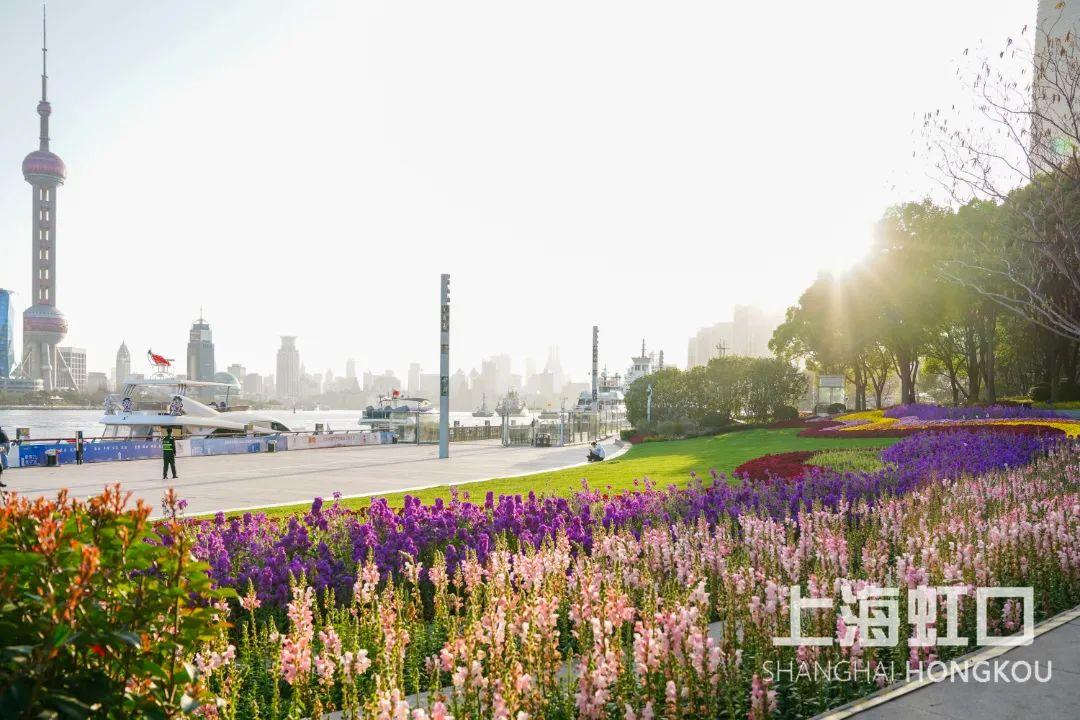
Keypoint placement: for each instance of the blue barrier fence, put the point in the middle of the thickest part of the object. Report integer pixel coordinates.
(31, 454)
(35, 454)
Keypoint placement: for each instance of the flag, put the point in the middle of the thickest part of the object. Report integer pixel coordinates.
(159, 360)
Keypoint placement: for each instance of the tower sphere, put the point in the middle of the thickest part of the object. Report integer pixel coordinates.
(44, 323)
(42, 167)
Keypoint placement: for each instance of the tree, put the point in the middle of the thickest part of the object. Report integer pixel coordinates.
(1018, 147)
(905, 286)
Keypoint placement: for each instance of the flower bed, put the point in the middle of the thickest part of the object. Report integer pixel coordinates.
(493, 637)
(997, 412)
(487, 606)
(327, 543)
(879, 423)
(787, 465)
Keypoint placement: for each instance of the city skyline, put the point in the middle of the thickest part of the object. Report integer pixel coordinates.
(413, 195)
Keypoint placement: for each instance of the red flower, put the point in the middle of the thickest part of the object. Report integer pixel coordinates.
(786, 466)
(97, 650)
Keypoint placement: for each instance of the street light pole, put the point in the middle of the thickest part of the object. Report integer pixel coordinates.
(444, 369)
(648, 403)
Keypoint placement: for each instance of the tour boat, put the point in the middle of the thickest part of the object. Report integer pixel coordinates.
(395, 403)
(512, 404)
(146, 408)
(483, 411)
(549, 413)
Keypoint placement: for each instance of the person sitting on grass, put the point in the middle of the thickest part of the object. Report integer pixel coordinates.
(596, 452)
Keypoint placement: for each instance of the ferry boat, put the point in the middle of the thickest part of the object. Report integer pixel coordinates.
(550, 413)
(609, 398)
(395, 403)
(511, 405)
(146, 408)
(483, 410)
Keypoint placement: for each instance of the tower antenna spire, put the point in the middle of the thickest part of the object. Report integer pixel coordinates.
(44, 53)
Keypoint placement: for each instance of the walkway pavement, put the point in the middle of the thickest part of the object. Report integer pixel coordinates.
(227, 482)
(1056, 651)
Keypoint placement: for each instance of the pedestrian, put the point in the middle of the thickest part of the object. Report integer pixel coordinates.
(5, 443)
(596, 453)
(79, 449)
(168, 455)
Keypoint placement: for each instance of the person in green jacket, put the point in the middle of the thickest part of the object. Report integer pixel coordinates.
(168, 454)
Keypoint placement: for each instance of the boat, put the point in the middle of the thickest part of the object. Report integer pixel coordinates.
(483, 410)
(146, 408)
(511, 405)
(395, 403)
(550, 414)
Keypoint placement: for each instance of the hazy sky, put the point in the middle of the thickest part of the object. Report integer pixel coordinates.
(310, 167)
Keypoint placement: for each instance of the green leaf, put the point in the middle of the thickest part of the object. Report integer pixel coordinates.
(129, 637)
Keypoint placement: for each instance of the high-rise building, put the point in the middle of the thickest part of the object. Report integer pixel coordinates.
(72, 373)
(254, 386)
(200, 352)
(554, 366)
(7, 334)
(414, 379)
(288, 368)
(709, 343)
(503, 366)
(237, 370)
(123, 366)
(747, 334)
(44, 326)
(1056, 55)
(96, 382)
(350, 369)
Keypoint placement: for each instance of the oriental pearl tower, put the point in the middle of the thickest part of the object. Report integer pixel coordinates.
(44, 326)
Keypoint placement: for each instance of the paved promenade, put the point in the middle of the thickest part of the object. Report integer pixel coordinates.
(225, 482)
(957, 700)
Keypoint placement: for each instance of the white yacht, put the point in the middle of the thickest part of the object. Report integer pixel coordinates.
(396, 404)
(146, 408)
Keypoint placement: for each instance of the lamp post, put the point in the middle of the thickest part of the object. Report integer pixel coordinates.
(648, 403)
(444, 369)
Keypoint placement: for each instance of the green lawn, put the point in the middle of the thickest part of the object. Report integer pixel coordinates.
(662, 462)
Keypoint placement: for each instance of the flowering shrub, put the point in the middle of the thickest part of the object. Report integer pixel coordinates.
(99, 617)
(673, 621)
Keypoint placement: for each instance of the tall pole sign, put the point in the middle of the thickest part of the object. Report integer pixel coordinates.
(444, 369)
(595, 363)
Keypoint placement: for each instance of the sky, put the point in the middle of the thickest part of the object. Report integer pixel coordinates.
(310, 167)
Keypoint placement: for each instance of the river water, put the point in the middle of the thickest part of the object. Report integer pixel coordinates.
(62, 423)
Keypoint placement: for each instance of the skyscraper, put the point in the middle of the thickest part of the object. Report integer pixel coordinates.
(44, 326)
(73, 375)
(200, 352)
(123, 365)
(1053, 130)
(288, 368)
(7, 334)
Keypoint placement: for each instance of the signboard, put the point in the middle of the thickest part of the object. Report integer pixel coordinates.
(831, 381)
